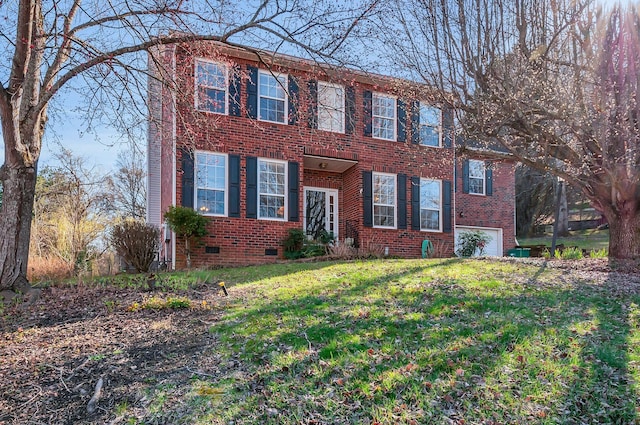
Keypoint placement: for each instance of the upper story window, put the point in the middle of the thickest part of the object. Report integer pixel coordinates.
(211, 86)
(383, 117)
(476, 177)
(330, 107)
(211, 183)
(272, 97)
(430, 205)
(384, 200)
(430, 125)
(271, 189)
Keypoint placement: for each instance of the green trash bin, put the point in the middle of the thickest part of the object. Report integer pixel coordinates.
(519, 252)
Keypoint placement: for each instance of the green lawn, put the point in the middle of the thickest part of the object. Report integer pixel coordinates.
(591, 239)
(417, 342)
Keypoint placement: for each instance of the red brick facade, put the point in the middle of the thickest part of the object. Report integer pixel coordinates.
(241, 240)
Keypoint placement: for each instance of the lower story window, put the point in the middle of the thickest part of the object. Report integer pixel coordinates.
(271, 189)
(211, 183)
(430, 204)
(384, 200)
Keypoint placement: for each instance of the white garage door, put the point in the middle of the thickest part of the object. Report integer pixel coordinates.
(493, 248)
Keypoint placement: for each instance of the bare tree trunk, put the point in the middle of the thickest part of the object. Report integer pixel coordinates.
(624, 235)
(19, 182)
(563, 217)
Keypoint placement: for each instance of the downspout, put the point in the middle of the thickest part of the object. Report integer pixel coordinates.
(173, 150)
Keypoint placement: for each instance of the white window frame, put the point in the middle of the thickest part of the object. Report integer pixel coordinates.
(483, 178)
(331, 110)
(378, 203)
(423, 123)
(197, 85)
(439, 210)
(375, 117)
(196, 185)
(283, 85)
(283, 195)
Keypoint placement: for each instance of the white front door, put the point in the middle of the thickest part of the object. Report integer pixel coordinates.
(320, 211)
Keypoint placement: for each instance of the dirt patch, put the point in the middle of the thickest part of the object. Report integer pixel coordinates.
(53, 353)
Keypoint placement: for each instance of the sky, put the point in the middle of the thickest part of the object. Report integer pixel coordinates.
(100, 147)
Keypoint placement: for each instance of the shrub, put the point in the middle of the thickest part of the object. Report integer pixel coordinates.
(187, 223)
(293, 244)
(470, 242)
(136, 242)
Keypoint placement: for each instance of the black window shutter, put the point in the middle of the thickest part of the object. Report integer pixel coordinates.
(234, 94)
(488, 174)
(415, 123)
(350, 106)
(465, 176)
(234, 185)
(313, 104)
(293, 100)
(446, 206)
(252, 187)
(402, 121)
(187, 178)
(415, 203)
(367, 111)
(252, 92)
(447, 127)
(402, 201)
(367, 194)
(294, 193)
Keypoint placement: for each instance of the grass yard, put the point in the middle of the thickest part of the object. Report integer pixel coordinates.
(375, 342)
(590, 239)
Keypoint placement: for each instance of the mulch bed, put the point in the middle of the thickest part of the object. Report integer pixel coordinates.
(54, 351)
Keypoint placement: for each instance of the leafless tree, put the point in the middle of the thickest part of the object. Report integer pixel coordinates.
(555, 82)
(46, 45)
(128, 185)
(71, 211)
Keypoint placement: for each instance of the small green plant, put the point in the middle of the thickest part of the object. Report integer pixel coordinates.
(469, 242)
(572, 253)
(187, 223)
(293, 244)
(599, 253)
(110, 305)
(155, 303)
(96, 357)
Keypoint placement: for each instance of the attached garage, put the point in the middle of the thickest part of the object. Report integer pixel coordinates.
(493, 248)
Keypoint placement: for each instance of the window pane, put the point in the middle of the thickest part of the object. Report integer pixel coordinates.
(211, 90)
(330, 108)
(430, 194)
(476, 169)
(429, 115)
(210, 201)
(210, 183)
(212, 100)
(476, 186)
(384, 200)
(383, 216)
(272, 110)
(271, 186)
(271, 206)
(383, 117)
(429, 220)
(429, 136)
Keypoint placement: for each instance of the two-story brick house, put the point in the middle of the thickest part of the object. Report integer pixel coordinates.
(262, 142)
